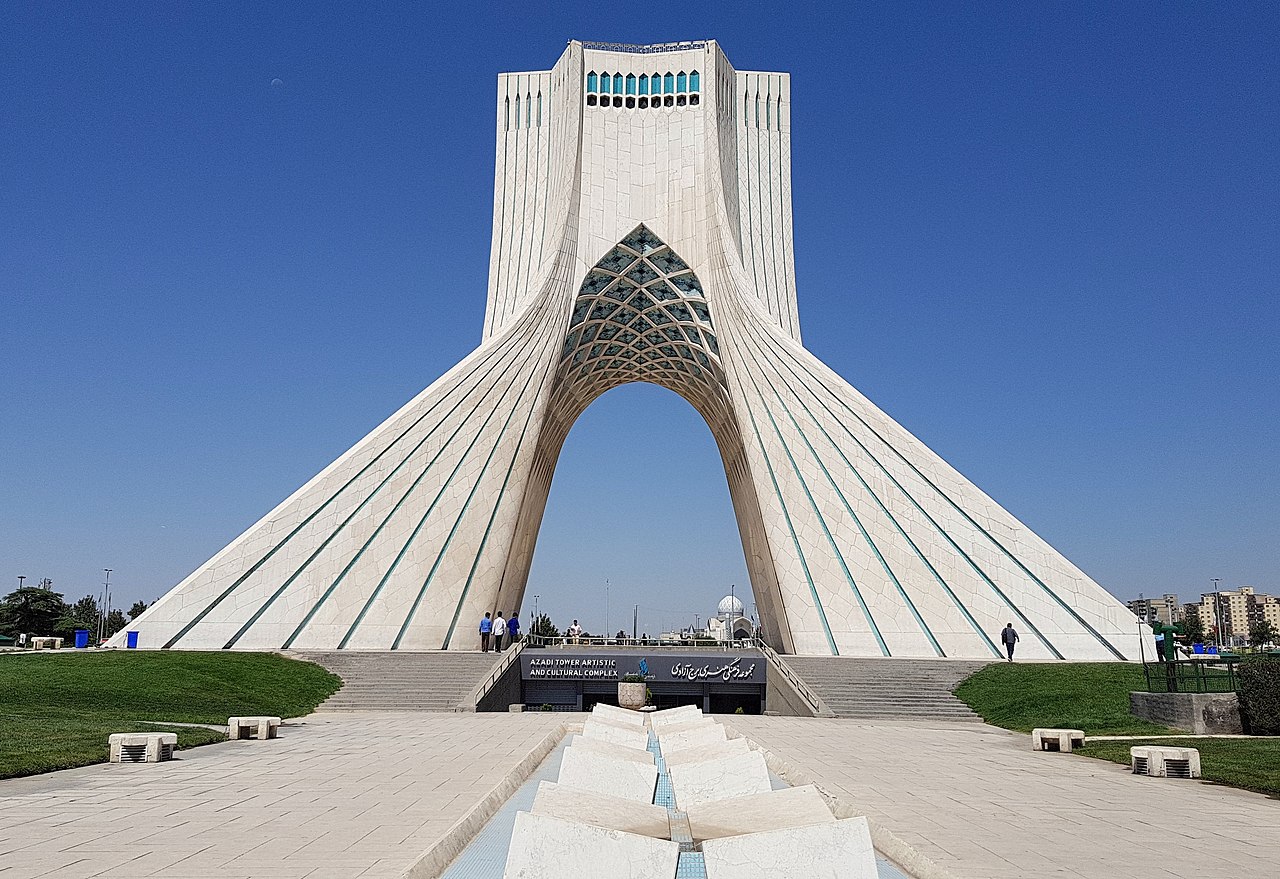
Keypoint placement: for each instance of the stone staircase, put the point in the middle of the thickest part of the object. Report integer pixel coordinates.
(889, 689)
(400, 680)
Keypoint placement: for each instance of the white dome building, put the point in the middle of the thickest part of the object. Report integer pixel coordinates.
(730, 606)
(730, 622)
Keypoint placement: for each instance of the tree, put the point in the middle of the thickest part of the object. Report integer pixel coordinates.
(32, 610)
(1193, 628)
(1262, 632)
(115, 622)
(137, 609)
(543, 626)
(81, 615)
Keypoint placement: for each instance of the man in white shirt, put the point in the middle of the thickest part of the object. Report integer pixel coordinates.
(574, 633)
(499, 629)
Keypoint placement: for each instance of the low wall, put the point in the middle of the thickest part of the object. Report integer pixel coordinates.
(1198, 713)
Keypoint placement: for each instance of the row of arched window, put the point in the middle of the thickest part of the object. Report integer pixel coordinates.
(658, 84)
(525, 118)
(772, 116)
(643, 91)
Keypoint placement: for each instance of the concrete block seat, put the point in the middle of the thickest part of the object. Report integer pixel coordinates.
(1056, 739)
(148, 747)
(1164, 762)
(252, 727)
(46, 643)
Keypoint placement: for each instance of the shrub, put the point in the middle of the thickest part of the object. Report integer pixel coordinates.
(633, 679)
(1260, 694)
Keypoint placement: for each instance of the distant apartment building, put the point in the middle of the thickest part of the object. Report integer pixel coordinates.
(1167, 609)
(1234, 612)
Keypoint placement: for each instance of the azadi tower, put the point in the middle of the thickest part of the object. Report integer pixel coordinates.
(642, 232)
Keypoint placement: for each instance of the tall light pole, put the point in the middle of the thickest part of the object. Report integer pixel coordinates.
(106, 597)
(606, 610)
(21, 577)
(535, 611)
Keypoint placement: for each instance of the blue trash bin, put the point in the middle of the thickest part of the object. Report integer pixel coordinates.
(131, 640)
(82, 638)
(1197, 648)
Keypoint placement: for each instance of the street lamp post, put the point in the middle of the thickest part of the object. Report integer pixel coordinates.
(606, 610)
(535, 612)
(106, 598)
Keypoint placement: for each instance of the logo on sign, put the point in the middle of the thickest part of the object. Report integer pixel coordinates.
(644, 667)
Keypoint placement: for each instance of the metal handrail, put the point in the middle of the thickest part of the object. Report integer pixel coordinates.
(1191, 676)
(509, 656)
(815, 703)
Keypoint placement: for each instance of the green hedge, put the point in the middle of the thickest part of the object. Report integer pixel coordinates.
(1260, 694)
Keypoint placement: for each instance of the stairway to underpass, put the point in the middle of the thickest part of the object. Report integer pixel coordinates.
(399, 680)
(892, 689)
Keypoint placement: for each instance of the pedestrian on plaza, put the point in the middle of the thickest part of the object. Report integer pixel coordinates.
(513, 629)
(574, 633)
(1009, 637)
(486, 629)
(499, 629)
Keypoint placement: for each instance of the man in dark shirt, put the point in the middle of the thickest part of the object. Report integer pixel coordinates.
(1009, 637)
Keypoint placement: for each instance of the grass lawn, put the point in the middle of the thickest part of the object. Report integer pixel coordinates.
(1092, 696)
(56, 710)
(1253, 764)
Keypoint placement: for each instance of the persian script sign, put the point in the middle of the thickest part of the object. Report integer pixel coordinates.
(733, 670)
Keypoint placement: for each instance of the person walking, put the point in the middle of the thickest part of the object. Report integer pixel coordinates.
(486, 629)
(513, 629)
(1009, 637)
(499, 629)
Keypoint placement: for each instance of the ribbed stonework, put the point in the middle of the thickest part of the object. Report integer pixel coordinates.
(642, 232)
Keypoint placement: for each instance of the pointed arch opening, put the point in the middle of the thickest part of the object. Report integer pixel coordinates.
(642, 315)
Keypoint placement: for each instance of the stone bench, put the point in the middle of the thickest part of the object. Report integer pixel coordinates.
(1056, 739)
(46, 643)
(142, 747)
(1164, 762)
(252, 727)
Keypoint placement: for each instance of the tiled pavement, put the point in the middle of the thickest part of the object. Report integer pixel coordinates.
(323, 801)
(978, 801)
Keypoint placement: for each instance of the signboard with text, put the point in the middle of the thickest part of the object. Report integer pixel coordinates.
(730, 667)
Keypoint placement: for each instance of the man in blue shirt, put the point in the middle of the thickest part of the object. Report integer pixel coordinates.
(486, 628)
(513, 628)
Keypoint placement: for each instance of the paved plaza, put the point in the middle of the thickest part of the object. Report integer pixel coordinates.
(978, 801)
(365, 794)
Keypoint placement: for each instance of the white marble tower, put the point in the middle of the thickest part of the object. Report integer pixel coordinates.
(642, 232)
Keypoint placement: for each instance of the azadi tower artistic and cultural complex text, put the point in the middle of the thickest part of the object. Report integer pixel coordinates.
(642, 232)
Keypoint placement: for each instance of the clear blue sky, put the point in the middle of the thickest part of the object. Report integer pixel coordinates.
(1044, 237)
